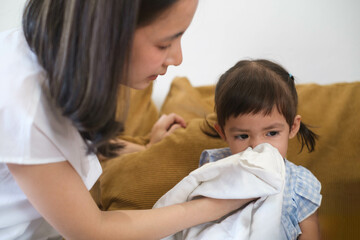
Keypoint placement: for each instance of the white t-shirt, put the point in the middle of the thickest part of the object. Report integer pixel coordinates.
(32, 131)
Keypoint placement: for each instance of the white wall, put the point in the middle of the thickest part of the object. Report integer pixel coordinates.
(316, 40)
(10, 13)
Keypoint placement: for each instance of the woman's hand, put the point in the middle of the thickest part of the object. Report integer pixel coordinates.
(165, 126)
(222, 207)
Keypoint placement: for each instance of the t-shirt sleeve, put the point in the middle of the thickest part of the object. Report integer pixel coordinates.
(39, 150)
(43, 149)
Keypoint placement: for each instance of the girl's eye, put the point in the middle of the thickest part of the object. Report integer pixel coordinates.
(272, 133)
(242, 136)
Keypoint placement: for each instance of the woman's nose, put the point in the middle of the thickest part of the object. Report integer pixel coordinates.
(174, 56)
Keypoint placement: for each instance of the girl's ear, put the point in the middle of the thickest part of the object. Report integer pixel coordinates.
(295, 127)
(219, 131)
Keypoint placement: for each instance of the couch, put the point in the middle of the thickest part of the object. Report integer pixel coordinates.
(137, 180)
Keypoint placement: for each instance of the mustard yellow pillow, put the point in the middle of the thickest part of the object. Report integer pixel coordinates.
(188, 101)
(142, 113)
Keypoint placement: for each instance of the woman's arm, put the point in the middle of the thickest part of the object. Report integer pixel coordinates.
(58, 193)
(310, 228)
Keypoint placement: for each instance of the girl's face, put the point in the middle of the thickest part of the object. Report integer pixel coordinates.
(250, 130)
(157, 46)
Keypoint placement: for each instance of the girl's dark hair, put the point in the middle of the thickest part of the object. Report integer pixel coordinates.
(257, 86)
(84, 47)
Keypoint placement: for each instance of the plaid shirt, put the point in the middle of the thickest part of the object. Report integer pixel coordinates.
(301, 194)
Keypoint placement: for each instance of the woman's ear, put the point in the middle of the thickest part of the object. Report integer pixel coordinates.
(295, 127)
(220, 131)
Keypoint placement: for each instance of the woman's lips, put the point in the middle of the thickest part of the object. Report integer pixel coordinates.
(153, 77)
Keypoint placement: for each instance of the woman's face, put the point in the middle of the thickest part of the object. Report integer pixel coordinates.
(158, 45)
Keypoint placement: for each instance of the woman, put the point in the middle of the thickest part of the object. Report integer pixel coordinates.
(57, 110)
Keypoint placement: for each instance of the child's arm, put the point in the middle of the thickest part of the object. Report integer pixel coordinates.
(310, 228)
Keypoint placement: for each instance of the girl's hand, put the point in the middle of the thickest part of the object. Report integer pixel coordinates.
(165, 126)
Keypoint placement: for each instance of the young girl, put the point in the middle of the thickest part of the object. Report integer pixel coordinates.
(256, 102)
(59, 85)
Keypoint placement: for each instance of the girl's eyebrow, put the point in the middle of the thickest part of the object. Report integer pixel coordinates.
(272, 126)
(275, 125)
(236, 129)
(172, 37)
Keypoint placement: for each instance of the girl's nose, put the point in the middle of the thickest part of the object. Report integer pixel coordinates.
(255, 141)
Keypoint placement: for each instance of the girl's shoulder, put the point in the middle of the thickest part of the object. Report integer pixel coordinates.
(302, 197)
(303, 182)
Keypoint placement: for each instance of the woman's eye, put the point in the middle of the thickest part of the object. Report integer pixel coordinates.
(164, 47)
(272, 133)
(242, 136)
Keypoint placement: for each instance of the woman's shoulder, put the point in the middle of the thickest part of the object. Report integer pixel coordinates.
(20, 92)
(27, 115)
(20, 74)
(16, 57)
(32, 129)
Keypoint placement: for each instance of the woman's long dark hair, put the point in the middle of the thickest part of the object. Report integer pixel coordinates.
(84, 47)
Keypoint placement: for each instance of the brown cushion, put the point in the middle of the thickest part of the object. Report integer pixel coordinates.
(188, 101)
(136, 181)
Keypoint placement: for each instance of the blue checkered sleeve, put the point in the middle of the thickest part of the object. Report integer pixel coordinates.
(212, 155)
(308, 193)
(301, 198)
